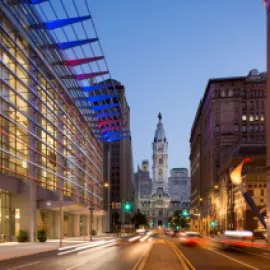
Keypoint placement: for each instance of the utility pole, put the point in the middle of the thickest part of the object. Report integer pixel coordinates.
(267, 118)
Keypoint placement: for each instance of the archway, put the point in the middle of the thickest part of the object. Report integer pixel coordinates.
(160, 223)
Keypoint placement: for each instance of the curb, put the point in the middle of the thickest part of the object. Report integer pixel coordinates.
(35, 253)
(28, 255)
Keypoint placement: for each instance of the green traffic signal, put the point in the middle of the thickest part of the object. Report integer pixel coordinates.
(185, 213)
(127, 206)
(213, 223)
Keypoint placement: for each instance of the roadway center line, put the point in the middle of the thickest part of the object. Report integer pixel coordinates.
(24, 265)
(232, 259)
(181, 256)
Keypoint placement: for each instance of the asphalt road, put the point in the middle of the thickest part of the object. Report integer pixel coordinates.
(209, 258)
(117, 256)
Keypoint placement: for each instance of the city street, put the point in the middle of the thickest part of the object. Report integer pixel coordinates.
(202, 258)
(124, 255)
(142, 255)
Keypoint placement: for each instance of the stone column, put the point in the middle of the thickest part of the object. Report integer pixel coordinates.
(267, 117)
(60, 171)
(29, 208)
(87, 225)
(76, 225)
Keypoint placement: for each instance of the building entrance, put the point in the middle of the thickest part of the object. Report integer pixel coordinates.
(8, 218)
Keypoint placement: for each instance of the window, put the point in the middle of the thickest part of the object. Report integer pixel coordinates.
(217, 128)
(160, 161)
(256, 128)
(262, 128)
(251, 118)
(250, 191)
(244, 106)
(262, 192)
(262, 117)
(251, 105)
(257, 105)
(236, 127)
(250, 128)
(244, 128)
(244, 117)
(256, 117)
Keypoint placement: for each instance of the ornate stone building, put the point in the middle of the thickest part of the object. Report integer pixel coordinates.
(159, 197)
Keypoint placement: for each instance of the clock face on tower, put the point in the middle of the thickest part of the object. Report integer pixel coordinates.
(159, 150)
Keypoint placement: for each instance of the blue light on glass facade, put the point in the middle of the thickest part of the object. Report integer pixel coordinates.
(75, 43)
(104, 107)
(59, 23)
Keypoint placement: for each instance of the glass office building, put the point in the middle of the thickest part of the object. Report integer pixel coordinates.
(50, 158)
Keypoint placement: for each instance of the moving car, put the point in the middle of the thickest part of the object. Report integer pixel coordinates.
(190, 238)
(235, 239)
(175, 233)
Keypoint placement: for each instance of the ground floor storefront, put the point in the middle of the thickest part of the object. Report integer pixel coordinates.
(18, 212)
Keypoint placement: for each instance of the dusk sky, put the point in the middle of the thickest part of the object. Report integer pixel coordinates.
(164, 52)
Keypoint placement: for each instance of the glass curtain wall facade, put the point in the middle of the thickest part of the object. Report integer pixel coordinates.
(44, 139)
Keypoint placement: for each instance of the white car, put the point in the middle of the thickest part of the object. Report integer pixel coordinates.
(235, 239)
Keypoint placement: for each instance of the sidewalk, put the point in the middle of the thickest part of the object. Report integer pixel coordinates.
(162, 257)
(11, 250)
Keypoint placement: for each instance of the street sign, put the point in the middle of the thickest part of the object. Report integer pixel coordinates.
(117, 205)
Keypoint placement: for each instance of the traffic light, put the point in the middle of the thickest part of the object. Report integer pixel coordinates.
(127, 206)
(185, 213)
(213, 223)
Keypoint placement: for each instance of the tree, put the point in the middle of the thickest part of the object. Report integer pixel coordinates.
(140, 219)
(178, 220)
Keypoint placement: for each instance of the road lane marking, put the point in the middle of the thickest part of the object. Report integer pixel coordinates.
(255, 254)
(24, 265)
(95, 249)
(76, 265)
(141, 258)
(232, 259)
(181, 254)
(145, 258)
(182, 261)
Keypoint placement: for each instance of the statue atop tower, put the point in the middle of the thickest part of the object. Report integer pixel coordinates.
(160, 157)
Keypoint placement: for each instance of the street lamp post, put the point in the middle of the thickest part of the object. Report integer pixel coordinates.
(91, 209)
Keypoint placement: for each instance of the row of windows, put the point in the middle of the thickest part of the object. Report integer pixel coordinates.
(253, 138)
(245, 128)
(251, 105)
(238, 92)
(253, 117)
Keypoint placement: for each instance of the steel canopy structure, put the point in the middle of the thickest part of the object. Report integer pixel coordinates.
(64, 32)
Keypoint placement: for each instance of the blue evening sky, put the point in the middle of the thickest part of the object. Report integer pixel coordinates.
(164, 52)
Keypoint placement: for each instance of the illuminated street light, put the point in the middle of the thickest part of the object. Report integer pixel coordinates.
(106, 184)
